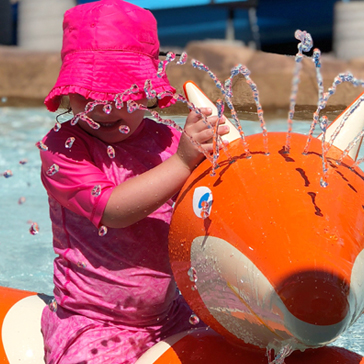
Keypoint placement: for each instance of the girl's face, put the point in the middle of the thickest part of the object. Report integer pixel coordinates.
(109, 123)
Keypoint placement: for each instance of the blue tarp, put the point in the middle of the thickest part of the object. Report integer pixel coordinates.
(277, 21)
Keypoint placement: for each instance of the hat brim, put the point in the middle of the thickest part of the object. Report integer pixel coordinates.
(103, 75)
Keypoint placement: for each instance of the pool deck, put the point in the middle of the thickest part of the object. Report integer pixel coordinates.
(27, 76)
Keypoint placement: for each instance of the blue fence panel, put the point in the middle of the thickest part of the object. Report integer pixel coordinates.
(169, 4)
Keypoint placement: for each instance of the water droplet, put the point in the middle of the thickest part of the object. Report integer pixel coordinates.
(90, 106)
(102, 231)
(21, 200)
(96, 191)
(111, 152)
(92, 124)
(161, 68)
(53, 305)
(23, 161)
(182, 58)
(34, 228)
(134, 88)
(107, 109)
(81, 264)
(41, 146)
(148, 89)
(192, 274)
(194, 287)
(4, 99)
(119, 101)
(323, 183)
(170, 57)
(69, 142)
(74, 120)
(57, 126)
(8, 173)
(52, 170)
(124, 129)
(132, 105)
(194, 320)
(164, 94)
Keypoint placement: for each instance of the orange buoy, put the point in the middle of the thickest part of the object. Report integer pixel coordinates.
(21, 338)
(207, 347)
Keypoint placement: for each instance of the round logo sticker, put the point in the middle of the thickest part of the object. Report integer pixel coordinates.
(202, 202)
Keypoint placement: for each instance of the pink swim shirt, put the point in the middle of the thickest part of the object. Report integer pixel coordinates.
(123, 276)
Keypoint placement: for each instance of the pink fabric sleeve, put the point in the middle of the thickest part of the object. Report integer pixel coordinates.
(71, 177)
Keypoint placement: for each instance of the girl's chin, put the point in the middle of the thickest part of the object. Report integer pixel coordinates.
(111, 136)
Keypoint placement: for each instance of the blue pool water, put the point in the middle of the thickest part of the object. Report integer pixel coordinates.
(26, 259)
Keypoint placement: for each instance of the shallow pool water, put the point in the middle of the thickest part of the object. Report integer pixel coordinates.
(26, 259)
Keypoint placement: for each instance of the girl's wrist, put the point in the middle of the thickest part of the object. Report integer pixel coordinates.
(183, 161)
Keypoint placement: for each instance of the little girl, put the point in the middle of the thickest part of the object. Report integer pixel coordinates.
(110, 179)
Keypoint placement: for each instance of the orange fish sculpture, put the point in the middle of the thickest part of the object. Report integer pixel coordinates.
(268, 249)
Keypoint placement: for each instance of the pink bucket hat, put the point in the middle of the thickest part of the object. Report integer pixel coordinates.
(108, 46)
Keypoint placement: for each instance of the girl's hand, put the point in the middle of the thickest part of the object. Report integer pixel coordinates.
(200, 132)
(138, 197)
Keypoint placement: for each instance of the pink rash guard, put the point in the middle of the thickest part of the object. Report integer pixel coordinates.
(118, 281)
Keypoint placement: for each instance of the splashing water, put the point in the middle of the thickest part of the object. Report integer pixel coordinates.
(342, 77)
(132, 106)
(148, 89)
(194, 320)
(8, 173)
(246, 73)
(53, 305)
(119, 98)
(41, 146)
(282, 354)
(351, 145)
(102, 231)
(227, 93)
(316, 58)
(304, 46)
(52, 170)
(111, 152)
(57, 126)
(170, 57)
(342, 123)
(21, 200)
(34, 228)
(192, 274)
(215, 147)
(90, 106)
(323, 126)
(107, 109)
(74, 120)
(225, 88)
(124, 129)
(69, 142)
(92, 124)
(81, 264)
(182, 59)
(96, 191)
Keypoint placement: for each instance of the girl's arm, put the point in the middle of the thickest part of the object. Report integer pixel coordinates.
(136, 198)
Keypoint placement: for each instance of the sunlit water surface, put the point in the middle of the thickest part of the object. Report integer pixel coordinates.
(26, 259)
